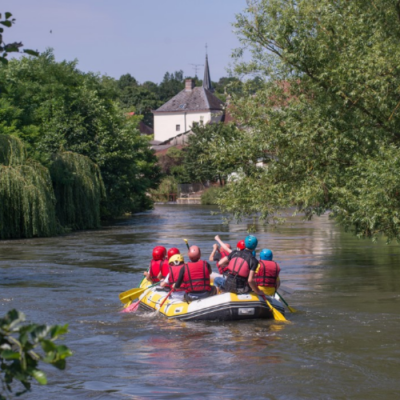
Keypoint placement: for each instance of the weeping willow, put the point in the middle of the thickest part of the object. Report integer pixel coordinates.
(79, 188)
(27, 202)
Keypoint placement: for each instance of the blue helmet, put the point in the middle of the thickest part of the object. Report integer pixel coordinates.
(266, 255)
(251, 242)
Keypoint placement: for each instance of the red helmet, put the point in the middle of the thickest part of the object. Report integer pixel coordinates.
(194, 253)
(159, 252)
(172, 251)
(240, 245)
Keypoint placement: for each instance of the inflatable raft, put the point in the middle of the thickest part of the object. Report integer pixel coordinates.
(222, 307)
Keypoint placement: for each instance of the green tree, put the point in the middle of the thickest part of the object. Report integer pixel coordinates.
(206, 156)
(127, 80)
(20, 354)
(171, 85)
(327, 113)
(56, 108)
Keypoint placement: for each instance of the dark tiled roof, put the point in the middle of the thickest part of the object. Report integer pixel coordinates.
(198, 99)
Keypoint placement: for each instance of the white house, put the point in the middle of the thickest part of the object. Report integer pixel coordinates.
(191, 106)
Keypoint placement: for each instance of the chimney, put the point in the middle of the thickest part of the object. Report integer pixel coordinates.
(189, 85)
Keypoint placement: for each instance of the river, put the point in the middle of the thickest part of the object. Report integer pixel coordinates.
(342, 344)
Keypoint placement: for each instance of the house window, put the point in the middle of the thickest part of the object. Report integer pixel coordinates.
(178, 128)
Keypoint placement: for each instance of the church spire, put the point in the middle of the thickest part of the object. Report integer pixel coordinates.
(207, 79)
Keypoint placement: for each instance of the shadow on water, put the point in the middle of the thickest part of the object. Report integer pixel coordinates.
(342, 344)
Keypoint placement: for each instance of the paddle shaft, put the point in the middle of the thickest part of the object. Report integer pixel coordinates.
(291, 309)
(166, 297)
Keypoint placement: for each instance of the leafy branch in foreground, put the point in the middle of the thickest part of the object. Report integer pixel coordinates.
(14, 47)
(19, 354)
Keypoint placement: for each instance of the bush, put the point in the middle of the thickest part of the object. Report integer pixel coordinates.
(211, 195)
(168, 186)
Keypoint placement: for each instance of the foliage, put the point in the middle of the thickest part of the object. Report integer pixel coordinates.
(56, 108)
(19, 355)
(171, 163)
(14, 47)
(79, 189)
(211, 195)
(27, 203)
(212, 139)
(171, 85)
(168, 186)
(326, 122)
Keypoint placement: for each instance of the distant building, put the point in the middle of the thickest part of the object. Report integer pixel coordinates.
(193, 105)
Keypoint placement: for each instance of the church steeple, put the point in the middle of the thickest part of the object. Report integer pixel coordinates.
(207, 79)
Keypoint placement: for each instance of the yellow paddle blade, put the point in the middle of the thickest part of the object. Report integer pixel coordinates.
(277, 314)
(131, 295)
(185, 240)
(292, 309)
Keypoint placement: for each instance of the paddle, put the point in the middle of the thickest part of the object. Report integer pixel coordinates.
(166, 297)
(187, 243)
(132, 307)
(291, 309)
(133, 294)
(277, 314)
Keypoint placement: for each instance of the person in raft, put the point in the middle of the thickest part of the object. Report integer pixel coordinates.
(267, 273)
(226, 249)
(176, 262)
(165, 265)
(194, 277)
(219, 253)
(156, 264)
(240, 269)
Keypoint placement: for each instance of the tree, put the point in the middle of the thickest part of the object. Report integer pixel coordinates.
(171, 85)
(214, 140)
(56, 108)
(326, 114)
(19, 354)
(142, 99)
(127, 80)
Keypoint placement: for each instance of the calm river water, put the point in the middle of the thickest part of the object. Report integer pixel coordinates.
(343, 344)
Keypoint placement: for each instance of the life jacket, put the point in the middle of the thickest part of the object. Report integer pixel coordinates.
(173, 276)
(154, 270)
(196, 277)
(239, 266)
(164, 268)
(267, 273)
(222, 269)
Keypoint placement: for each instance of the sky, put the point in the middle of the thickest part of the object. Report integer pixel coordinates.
(145, 38)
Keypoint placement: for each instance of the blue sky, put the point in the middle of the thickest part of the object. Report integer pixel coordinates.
(143, 37)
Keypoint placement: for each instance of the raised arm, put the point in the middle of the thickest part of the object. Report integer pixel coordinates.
(223, 245)
(215, 248)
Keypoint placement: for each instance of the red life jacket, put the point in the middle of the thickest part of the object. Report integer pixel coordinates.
(197, 277)
(222, 269)
(173, 276)
(267, 273)
(164, 268)
(239, 266)
(154, 270)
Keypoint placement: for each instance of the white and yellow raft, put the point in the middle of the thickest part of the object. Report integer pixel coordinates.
(222, 307)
